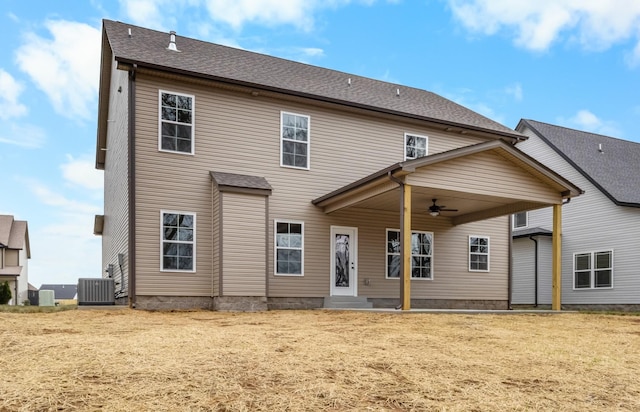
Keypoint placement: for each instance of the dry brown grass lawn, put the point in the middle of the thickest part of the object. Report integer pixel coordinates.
(317, 360)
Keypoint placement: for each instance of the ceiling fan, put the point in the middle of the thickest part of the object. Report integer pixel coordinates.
(434, 210)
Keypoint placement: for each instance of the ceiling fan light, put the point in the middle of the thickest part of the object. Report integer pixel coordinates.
(434, 214)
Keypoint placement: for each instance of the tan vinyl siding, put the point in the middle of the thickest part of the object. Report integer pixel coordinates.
(115, 234)
(478, 174)
(244, 245)
(238, 133)
(11, 257)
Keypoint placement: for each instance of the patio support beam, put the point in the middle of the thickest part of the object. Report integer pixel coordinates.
(556, 245)
(406, 247)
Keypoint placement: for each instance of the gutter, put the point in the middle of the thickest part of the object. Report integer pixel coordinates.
(132, 186)
(535, 254)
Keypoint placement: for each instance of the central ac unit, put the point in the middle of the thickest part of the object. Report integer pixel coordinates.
(98, 291)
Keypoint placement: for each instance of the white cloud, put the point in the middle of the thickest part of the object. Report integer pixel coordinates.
(160, 14)
(54, 198)
(65, 66)
(23, 135)
(10, 90)
(148, 13)
(298, 13)
(594, 24)
(587, 121)
(515, 90)
(82, 172)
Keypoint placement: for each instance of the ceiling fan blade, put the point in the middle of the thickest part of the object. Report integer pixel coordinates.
(447, 210)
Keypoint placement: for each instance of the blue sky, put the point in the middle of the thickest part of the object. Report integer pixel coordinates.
(575, 64)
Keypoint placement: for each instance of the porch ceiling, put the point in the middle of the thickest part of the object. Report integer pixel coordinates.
(481, 181)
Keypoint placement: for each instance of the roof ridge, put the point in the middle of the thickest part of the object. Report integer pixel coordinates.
(581, 131)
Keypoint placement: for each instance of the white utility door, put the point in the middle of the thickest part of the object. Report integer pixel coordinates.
(344, 261)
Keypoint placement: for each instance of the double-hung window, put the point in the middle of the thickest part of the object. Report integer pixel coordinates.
(289, 241)
(421, 254)
(176, 122)
(178, 245)
(414, 146)
(294, 140)
(478, 254)
(593, 270)
(520, 220)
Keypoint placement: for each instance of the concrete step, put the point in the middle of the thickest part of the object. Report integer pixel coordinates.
(347, 302)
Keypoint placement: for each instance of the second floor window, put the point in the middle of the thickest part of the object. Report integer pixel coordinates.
(294, 140)
(520, 220)
(414, 146)
(176, 122)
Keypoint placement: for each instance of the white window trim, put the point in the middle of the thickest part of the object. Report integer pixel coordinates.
(194, 242)
(475, 253)
(513, 221)
(275, 248)
(404, 145)
(592, 270)
(386, 266)
(193, 122)
(282, 113)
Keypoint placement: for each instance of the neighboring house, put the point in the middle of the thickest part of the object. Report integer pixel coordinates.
(33, 295)
(235, 180)
(14, 257)
(600, 229)
(63, 294)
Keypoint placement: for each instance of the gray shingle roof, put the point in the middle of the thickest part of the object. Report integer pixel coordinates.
(148, 48)
(532, 231)
(615, 170)
(240, 181)
(12, 232)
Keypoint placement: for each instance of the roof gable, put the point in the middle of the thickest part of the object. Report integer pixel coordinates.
(148, 48)
(14, 233)
(611, 164)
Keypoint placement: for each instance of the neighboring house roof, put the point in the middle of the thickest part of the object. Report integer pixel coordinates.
(14, 234)
(148, 48)
(611, 164)
(532, 231)
(31, 287)
(62, 291)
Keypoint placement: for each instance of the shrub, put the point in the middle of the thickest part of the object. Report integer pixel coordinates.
(5, 293)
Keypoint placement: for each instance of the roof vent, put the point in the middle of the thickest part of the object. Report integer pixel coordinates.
(172, 41)
(398, 92)
(600, 148)
(129, 31)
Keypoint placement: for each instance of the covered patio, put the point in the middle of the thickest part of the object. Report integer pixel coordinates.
(476, 182)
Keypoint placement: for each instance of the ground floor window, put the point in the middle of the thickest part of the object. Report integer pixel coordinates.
(421, 254)
(289, 250)
(478, 254)
(178, 241)
(593, 270)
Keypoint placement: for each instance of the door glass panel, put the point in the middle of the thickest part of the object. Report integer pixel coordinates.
(342, 260)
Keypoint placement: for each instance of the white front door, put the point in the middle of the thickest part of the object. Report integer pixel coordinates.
(344, 261)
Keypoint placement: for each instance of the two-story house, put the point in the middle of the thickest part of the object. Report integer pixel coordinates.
(600, 229)
(14, 257)
(237, 180)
